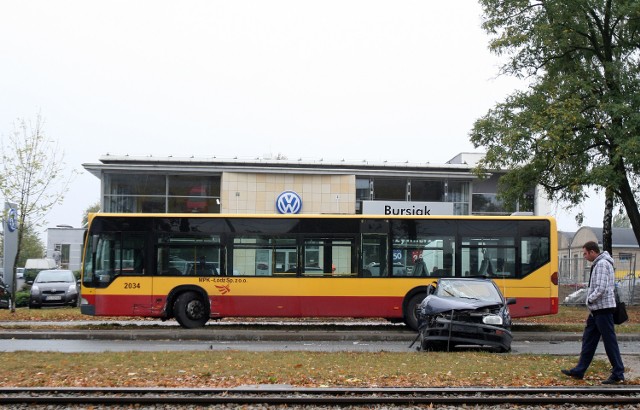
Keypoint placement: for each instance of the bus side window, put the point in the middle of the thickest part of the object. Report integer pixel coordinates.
(132, 254)
(204, 268)
(189, 255)
(256, 255)
(343, 256)
(165, 265)
(138, 261)
(535, 253)
(328, 257)
(374, 256)
(447, 265)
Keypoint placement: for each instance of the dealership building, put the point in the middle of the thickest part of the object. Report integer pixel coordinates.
(276, 185)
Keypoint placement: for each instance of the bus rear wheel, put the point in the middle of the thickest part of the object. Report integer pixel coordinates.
(190, 310)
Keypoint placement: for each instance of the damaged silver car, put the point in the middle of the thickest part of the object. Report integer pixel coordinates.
(463, 312)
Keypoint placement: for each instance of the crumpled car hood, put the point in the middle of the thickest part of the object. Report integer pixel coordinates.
(433, 304)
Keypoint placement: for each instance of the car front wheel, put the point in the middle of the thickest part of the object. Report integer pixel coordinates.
(411, 312)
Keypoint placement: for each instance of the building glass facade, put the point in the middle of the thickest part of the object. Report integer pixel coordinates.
(127, 192)
(160, 185)
(414, 190)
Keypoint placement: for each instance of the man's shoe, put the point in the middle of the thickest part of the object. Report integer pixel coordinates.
(613, 380)
(571, 374)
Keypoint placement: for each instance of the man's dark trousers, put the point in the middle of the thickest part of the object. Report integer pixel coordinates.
(600, 324)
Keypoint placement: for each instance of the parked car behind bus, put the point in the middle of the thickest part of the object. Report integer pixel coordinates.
(55, 287)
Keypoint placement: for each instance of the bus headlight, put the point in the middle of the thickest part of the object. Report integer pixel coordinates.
(492, 320)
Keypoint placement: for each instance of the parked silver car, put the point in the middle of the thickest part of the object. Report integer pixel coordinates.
(55, 287)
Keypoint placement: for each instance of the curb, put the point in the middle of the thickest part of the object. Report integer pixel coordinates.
(264, 335)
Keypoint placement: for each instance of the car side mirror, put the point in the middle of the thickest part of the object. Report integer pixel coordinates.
(29, 282)
(511, 301)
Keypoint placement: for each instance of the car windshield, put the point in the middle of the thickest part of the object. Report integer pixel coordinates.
(468, 289)
(53, 276)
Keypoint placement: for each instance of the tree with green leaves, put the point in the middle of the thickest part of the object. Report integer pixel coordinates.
(32, 176)
(90, 209)
(32, 246)
(621, 220)
(577, 123)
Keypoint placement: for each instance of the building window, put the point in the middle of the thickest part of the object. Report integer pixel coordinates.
(188, 193)
(391, 189)
(161, 193)
(526, 203)
(135, 193)
(442, 191)
(363, 192)
(415, 190)
(363, 189)
(490, 204)
(61, 254)
(458, 193)
(428, 191)
(625, 257)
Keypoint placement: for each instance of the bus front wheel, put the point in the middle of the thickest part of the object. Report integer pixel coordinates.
(190, 310)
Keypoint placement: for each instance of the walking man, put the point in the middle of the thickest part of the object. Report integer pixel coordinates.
(601, 304)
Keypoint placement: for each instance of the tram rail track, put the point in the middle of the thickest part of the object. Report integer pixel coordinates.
(592, 396)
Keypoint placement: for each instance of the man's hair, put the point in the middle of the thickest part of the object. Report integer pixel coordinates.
(591, 246)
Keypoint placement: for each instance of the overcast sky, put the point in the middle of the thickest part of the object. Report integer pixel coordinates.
(361, 79)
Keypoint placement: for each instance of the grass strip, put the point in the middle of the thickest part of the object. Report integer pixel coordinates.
(300, 369)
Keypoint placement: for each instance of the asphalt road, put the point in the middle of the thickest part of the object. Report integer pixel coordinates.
(172, 338)
(92, 345)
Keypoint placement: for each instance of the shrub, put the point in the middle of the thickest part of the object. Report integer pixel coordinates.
(30, 275)
(22, 299)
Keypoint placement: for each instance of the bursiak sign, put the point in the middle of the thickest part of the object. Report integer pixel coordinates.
(399, 208)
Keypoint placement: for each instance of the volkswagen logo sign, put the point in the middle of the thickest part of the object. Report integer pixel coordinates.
(289, 202)
(12, 220)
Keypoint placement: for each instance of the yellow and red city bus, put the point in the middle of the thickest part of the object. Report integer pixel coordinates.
(196, 267)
